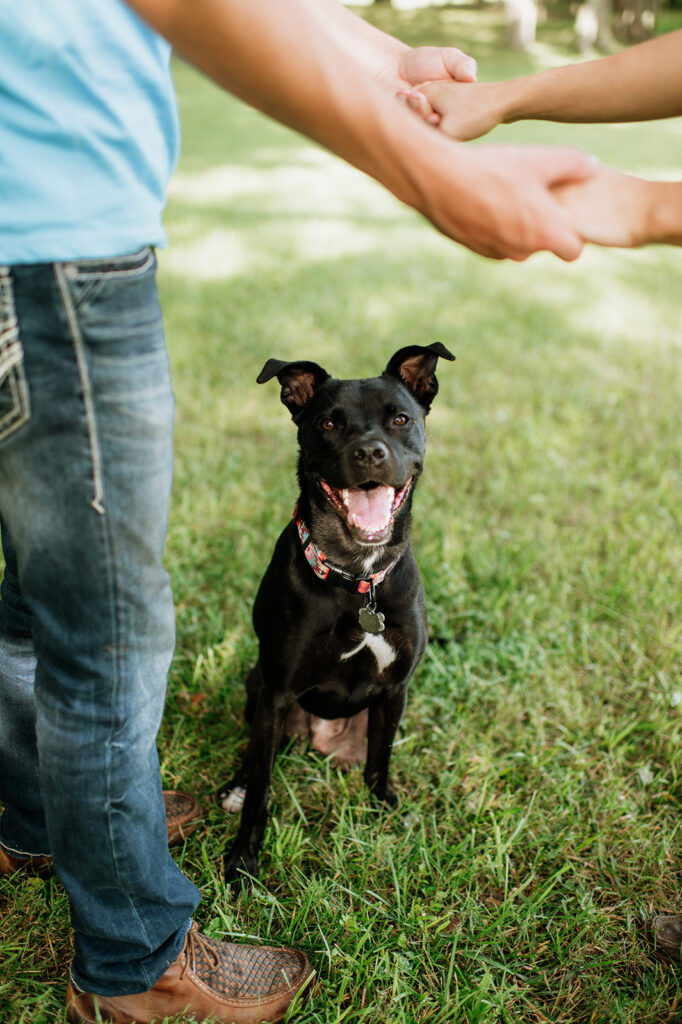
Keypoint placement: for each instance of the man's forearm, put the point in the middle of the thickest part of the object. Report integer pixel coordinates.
(641, 83)
(361, 43)
(274, 56)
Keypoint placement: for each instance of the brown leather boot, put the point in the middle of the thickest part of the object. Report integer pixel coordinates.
(665, 936)
(183, 815)
(41, 866)
(210, 980)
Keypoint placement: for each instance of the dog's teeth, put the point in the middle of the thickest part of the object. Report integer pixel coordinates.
(345, 495)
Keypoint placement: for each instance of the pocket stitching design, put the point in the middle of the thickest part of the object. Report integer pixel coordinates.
(74, 273)
(19, 414)
(12, 373)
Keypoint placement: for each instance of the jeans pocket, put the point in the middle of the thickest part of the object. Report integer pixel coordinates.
(89, 278)
(15, 406)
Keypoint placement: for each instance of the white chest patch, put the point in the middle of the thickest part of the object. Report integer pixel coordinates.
(380, 648)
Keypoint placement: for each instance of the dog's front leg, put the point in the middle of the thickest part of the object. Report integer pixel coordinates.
(384, 717)
(266, 732)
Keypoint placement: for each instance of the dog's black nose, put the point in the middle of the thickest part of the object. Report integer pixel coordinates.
(370, 454)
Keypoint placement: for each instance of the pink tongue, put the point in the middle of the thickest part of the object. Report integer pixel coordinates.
(370, 510)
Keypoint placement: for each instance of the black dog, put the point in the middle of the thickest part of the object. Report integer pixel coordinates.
(340, 611)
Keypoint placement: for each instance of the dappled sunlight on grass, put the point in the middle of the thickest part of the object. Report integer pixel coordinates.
(312, 208)
(319, 211)
(297, 180)
(612, 308)
(215, 255)
(596, 298)
(220, 255)
(645, 149)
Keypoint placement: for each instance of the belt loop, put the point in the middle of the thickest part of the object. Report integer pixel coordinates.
(68, 268)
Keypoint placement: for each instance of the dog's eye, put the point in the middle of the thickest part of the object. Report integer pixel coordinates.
(400, 420)
(327, 424)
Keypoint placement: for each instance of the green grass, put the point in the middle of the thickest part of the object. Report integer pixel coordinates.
(539, 760)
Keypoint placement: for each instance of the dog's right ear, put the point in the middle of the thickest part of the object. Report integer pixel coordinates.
(299, 381)
(415, 367)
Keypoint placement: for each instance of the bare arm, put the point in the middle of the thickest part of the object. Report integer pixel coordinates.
(279, 58)
(641, 83)
(391, 62)
(621, 210)
(274, 55)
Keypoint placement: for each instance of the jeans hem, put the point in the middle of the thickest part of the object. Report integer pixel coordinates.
(132, 987)
(23, 853)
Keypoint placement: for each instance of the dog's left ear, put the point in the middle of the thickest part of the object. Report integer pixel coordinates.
(299, 380)
(415, 366)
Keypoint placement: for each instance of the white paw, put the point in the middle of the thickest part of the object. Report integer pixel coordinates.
(234, 801)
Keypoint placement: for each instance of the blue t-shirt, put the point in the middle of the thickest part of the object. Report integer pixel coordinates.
(88, 130)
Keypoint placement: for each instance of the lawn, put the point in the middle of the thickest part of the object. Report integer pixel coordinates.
(538, 763)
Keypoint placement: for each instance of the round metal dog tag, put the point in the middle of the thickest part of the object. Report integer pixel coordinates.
(371, 621)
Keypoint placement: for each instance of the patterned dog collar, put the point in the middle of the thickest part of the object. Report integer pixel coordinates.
(325, 570)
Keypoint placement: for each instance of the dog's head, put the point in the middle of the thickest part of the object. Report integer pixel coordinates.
(362, 441)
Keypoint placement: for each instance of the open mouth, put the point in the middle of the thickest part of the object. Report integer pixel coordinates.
(369, 510)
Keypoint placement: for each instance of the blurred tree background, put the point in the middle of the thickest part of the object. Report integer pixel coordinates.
(599, 25)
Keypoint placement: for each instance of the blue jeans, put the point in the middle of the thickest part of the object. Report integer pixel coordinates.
(86, 616)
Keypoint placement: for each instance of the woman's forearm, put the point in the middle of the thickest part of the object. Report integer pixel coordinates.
(623, 210)
(641, 83)
(665, 212)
